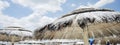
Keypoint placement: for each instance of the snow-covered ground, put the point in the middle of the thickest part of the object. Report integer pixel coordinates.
(47, 42)
(5, 42)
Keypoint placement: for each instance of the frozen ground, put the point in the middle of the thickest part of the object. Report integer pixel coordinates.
(46, 42)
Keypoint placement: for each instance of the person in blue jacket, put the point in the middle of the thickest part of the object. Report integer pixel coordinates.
(108, 42)
(91, 41)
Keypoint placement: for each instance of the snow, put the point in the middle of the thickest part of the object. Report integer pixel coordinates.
(7, 43)
(48, 42)
(57, 23)
(86, 18)
(52, 42)
(90, 17)
(5, 31)
(65, 19)
(21, 33)
(80, 43)
(98, 16)
(16, 32)
(84, 10)
(83, 19)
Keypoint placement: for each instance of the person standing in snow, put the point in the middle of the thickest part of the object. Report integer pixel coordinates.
(91, 41)
(108, 42)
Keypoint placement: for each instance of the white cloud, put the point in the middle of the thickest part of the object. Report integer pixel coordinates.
(26, 22)
(98, 4)
(37, 18)
(4, 19)
(3, 5)
(46, 5)
(73, 5)
(39, 7)
(7, 20)
(103, 3)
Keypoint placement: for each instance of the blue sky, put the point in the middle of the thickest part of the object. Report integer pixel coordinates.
(18, 11)
(31, 13)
